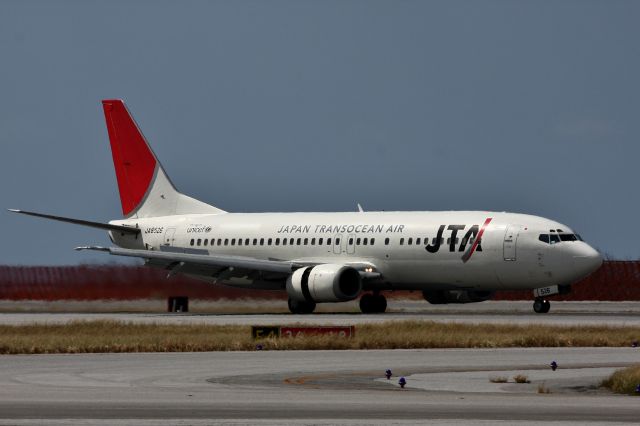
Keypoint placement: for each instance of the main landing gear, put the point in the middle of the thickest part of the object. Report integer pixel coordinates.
(541, 306)
(297, 307)
(373, 303)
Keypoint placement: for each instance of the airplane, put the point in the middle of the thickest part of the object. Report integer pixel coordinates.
(450, 256)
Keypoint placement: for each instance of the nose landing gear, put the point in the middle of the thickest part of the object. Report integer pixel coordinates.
(373, 303)
(541, 306)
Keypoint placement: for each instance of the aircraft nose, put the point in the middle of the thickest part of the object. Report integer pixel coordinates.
(586, 259)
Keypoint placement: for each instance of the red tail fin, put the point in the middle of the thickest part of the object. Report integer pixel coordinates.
(134, 161)
(145, 188)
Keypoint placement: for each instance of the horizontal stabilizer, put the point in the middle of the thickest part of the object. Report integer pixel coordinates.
(99, 225)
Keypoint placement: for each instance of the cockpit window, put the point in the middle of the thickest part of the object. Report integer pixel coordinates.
(556, 238)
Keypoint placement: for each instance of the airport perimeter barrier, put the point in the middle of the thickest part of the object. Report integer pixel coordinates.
(615, 281)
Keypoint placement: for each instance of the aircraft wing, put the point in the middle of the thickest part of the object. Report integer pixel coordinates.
(218, 266)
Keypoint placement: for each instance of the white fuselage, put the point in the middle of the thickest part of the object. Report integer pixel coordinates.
(401, 246)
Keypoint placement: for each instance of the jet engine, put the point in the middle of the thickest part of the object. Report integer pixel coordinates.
(324, 283)
(442, 297)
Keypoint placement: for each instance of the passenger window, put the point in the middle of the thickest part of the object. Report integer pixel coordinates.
(226, 241)
(277, 241)
(192, 241)
(239, 241)
(401, 241)
(553, 238)
(233, 242)
(291, 241)
(246, 241)
(350, 241)
(544, 238)
(320, 242)
(206, 241)
(373, 241)
(386, 241)
(298, 241)
(261, 241)
(199, 241)
(269, 242)
(410, 241)
(328, 241)
(306, 241)
(364, 241)
(255, 241)
(417, 241)
(313, 241)
(337, 241)
(284, 241)
(358, 241)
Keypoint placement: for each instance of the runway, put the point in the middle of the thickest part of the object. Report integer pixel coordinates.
(313, 387)
(325, 387)
(270, 312)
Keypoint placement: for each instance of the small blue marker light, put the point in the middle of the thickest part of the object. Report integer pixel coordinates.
(634, 344)
(388, 374)
(258, 347)
(554, 365)
(402, 382)
(638, 389)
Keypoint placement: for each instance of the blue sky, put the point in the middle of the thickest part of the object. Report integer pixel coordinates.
(316, 105)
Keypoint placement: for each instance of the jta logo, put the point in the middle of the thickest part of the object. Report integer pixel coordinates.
(474, 234)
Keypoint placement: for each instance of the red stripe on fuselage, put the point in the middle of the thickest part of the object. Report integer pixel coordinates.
(467, 255)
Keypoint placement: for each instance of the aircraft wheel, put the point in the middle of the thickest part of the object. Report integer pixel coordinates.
(546, 306)
(373, 303)
(367, 304)
(381, 303)
(297, 307)
(541, 306)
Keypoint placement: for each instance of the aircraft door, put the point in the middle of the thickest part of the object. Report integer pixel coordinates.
(351, 244)
(337, 241)
(510, 242)
(169, 237)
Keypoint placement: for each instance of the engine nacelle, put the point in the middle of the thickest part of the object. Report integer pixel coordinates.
(442, 297)
(324, 283)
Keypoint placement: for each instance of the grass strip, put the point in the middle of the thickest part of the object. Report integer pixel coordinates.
(117, 336)
(624, 381)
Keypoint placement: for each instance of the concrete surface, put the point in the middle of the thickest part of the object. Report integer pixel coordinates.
(503, 312)
(313, 387)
